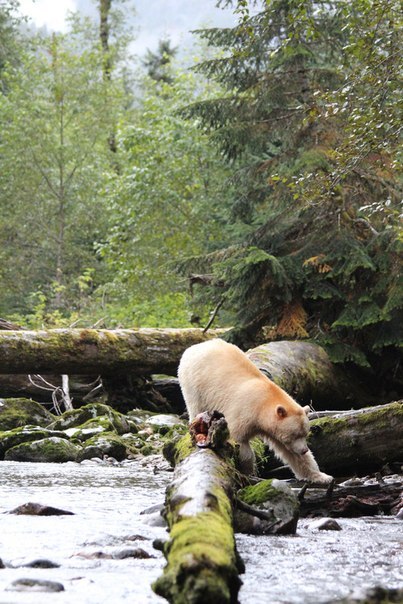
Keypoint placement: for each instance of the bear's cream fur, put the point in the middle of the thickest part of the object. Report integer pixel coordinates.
(217, 375)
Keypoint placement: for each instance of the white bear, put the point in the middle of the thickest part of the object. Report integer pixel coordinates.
(215, 375)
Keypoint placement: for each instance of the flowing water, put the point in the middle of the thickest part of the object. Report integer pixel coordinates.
(313, 567)
(106, 501)
(318, 567)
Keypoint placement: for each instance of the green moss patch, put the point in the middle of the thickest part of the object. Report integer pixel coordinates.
(17, 412)
(273, 496)
(202, 565)
(88, 413)
(108, 443)
(46, 450)
(176, 450)
(12, 438)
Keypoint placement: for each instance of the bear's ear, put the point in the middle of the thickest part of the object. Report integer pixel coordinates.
(307, 409)
(281, 411)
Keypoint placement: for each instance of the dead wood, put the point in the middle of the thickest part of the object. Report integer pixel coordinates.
(96, 351)
(202, 564)
(354, 501)
(304, 370)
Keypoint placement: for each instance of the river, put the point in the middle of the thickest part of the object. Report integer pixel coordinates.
(313, 567)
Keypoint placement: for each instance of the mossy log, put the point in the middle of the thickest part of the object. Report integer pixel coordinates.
(96, 351)
(355, 442)
(305, 371)
(202, 563)
(362, 441)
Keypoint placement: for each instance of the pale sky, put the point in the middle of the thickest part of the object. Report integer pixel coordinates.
(154, 19)
(48, 12)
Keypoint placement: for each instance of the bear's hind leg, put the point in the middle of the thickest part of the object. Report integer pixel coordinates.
(247, 460)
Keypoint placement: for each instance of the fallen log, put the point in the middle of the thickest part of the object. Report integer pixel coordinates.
(202, 563)
(356, 442)
(96, 351)
(380, 497)
(361, 442)
(304, 370)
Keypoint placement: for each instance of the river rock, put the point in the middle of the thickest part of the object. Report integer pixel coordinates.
(53, 449)
(131, 552)
(16, 412)
(12, 438)
(37, 509)
(276, 500)
(375, 595)
(35, 585)
(325, 524)
(108, 444)
(80, 417)
(42, 562)
(163, 419)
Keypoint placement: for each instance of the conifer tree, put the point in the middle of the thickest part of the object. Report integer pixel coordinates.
(158, 63)
(314, 221)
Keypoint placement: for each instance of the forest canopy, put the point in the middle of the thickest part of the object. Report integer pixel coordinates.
(263, 181)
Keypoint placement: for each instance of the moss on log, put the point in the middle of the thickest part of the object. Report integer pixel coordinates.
(202, 564)
(96, 351)
(304, 370)
(361, 441)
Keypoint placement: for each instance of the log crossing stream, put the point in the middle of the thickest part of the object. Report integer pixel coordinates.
(313, 567)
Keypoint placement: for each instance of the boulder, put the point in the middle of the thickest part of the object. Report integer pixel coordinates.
(89, 413)
(17, 412)
(271, 509)
(108, 444)
(25, 434)
(35, 585)
(53, 449)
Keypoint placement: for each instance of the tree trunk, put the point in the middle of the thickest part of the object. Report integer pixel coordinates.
(202, 564)
(305, 371)
(96, 351)
(356, 442)
(104, 28)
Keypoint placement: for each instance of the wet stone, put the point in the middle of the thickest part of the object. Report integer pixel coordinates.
(35, 585)
(41, 563)
(46, 450)
(109, 445)
(132, 552)
(278, 504)
(164, 420)
(325, 524)
(37, 509)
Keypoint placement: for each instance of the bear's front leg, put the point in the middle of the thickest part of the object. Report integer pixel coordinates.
(303, 466)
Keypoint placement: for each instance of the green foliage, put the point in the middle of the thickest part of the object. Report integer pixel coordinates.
(164, 203)
(11, 45)
(309, 122)
(55, 117)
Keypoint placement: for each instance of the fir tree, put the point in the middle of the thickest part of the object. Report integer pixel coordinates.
(314, 223)
(158, 63)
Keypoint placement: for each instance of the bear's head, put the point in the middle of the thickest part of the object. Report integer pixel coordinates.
(292, 427)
